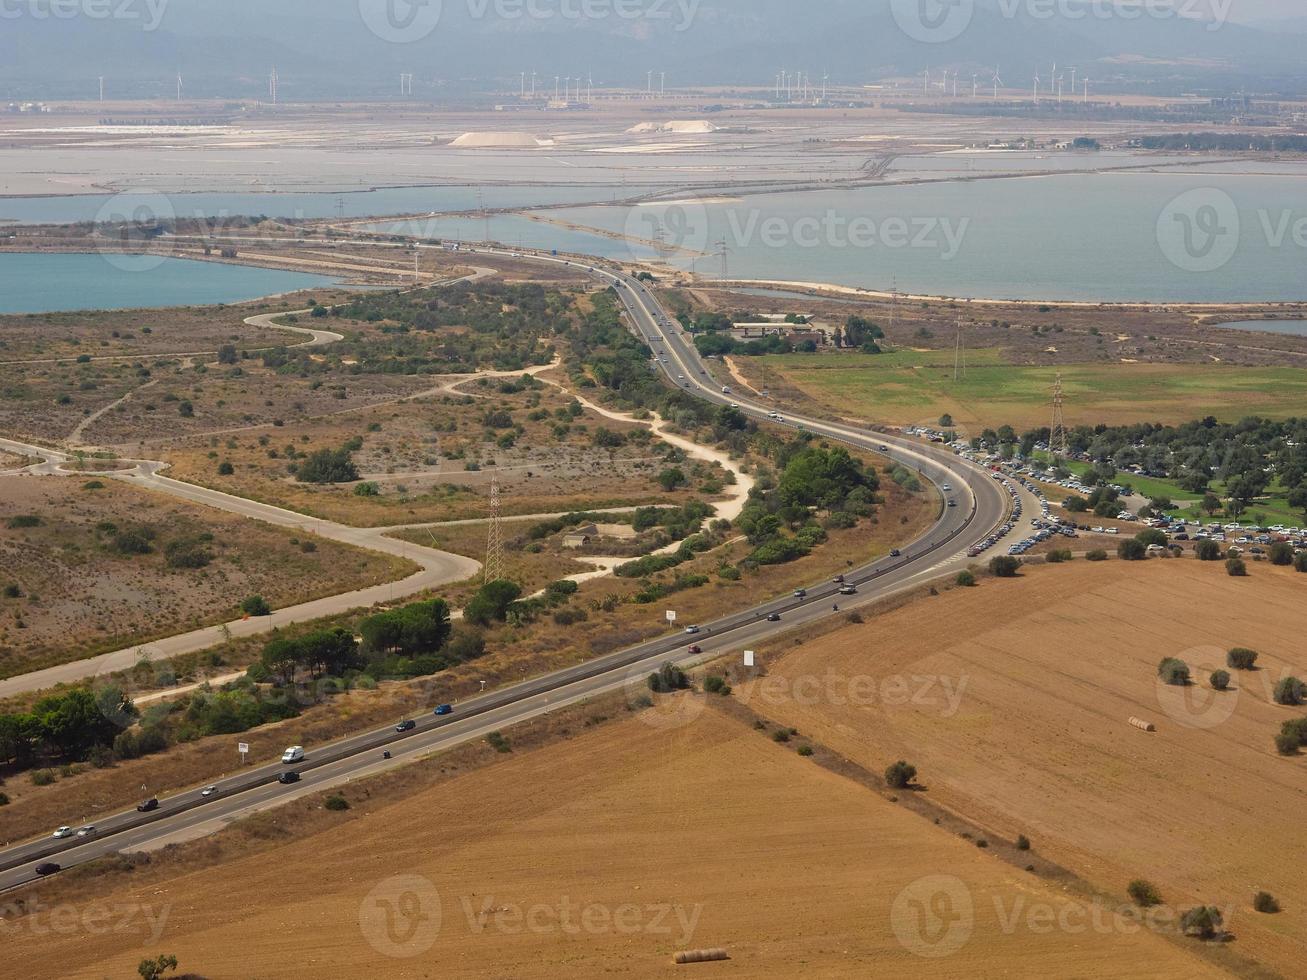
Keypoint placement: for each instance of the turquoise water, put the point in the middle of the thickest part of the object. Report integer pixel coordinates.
(1296, 328)
(1068, 237)
(45, 283)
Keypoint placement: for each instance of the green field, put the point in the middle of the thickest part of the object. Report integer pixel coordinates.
(917, 387)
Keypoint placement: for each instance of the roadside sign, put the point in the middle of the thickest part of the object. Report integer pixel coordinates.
(244, 749)
(748, 658)
(671, 615)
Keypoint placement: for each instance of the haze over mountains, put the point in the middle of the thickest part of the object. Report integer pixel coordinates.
(324, 49)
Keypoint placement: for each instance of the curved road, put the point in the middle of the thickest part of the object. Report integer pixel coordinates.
(982, 504)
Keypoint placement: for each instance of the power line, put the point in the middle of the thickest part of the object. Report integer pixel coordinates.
(495, 536)
(1058, 438)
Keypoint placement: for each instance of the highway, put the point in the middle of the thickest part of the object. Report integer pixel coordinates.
(982, 505)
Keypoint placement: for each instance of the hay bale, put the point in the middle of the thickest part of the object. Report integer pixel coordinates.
(1143, 726)
(700, 956)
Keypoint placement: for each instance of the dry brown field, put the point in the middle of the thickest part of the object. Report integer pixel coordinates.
(80, 596)
(1014, 700)
(602, 856)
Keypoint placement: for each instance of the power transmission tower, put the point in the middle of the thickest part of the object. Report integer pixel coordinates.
(723, 250)
(1058, 443)
(959, 359)
(495, 536)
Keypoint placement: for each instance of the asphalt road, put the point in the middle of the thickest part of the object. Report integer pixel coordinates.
(981, 506)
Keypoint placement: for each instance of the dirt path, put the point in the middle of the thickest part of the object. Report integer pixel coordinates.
(75, 437)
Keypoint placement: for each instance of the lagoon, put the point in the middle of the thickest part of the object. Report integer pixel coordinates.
(52, 282)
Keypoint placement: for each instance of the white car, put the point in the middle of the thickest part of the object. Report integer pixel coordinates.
(293, 754)
(692, 630)
(208, 791)
(62, 832)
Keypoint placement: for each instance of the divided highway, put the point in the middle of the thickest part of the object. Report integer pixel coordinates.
(981, 505)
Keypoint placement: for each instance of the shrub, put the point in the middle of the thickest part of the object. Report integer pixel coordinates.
(187, 553)
(225, 468)
(1098, 554)
(367, 490)
(13, 591)
(1266, 902)
(42, 777)
(1204, 922)
(1241, 658)
(4, 799)
(1132, 549)
(805, 750)
(966, 579)
(328, 466)
(780, 735)
(1143, 893)
(255, 605)
(1004, 566)
(716, 685)
(1220, 680)
(1300, 561)
(900, 775)
(1174, 672)
(336, 802)
(1289, 691)
(668, 678)
(1208, 551)
(1151, 536)
(498, 742)
(1236, 568)
(19, 521)
(1023, 842)
(1287, 743)
(1281, 554)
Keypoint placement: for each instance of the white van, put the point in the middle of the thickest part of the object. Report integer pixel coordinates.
(293, 754)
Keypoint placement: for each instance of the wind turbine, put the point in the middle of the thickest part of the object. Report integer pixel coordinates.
(1052, 79)
(998, 81)
(1036, 88)
(926, 88)
(975, 86)
(179, 86)
(1086, 91)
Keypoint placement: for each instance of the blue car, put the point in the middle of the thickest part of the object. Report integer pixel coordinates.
(445, 709)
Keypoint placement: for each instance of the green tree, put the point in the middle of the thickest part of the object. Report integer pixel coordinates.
(900, 775)
(1004, 566)
(1208, 551)
(1173, 671)
(153, 969)
(491, 602)
(671, 478)
(1132, 549)
(1241, 658)
(1204, 922)
(1211, 503)
(328, 466)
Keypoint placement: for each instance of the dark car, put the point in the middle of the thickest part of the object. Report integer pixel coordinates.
(286, 778)
(406, 726)
(695, 648)
(895, 553)
(445, 709)
(47, 868)
(773, 617)
(148, 805)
